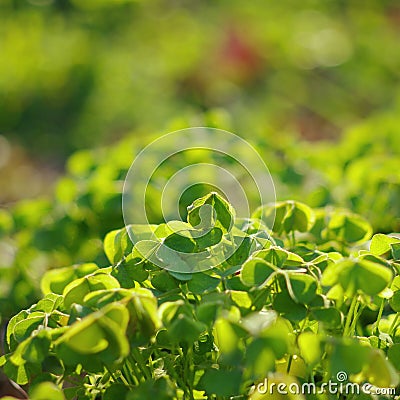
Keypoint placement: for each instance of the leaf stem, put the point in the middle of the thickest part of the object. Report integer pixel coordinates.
(131, 378)
(111, 373)
(358, 313)
(289, 364)
(136, 371)
(349, 317)
(378, 319)
(124, 380)
(393, 326)
(141, 363)
(293, 239)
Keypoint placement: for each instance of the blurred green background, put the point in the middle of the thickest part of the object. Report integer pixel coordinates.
(85, 84)
(81, 73)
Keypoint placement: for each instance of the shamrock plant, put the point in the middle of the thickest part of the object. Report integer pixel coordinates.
(292, 294)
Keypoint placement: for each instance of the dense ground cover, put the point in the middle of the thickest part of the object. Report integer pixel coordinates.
(85, 313)
(302, 301)
(359, 173)
(290, 287)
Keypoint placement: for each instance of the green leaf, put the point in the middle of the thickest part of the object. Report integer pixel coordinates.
(395, 301)
(286, 216)
(18, 374)
(170, 310)
(45, 391)
(202, 282)
(116, 244)
(395, 283)
(299, 217)
(349, 356)
(146, 248)
(220, 382)
(181, 243)
(304, 287)
(76, 291)
(395, 248)
(275, 255)
(181, 276)
(359, 275)
(209, 239)
(279, 257)
(85, 337)
(163, 281)
(172, 261)
(379, 371)
(22, 315)
(394, 355)
(138, 233)
(331, 318)
(160, 389)
(370, 257)
(55, 281)
(228, 337)
(242, 251)
(286, 306)
(234, 283)
(241, 299)
(349, 228)
(25, 327)
(116, 391)
(310, 347)
(272, 215)
(37, 347)
(98, 338)
(185, 329)
(256, 271)
(279, 336)
(144, 320)
(101, 298)
(211, 211)
(207, 312)
(260, 359)
(380, 244)
(49, 303)
(129, 271)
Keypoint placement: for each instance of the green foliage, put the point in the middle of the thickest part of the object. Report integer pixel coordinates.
(297, 281)
(69, 226)
(286, 305)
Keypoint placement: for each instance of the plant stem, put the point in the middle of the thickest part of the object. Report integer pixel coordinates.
(136, 371)
(129, 376)
(378, 320)
(188, 372)
(111, 374)
(358, 313)
(349, 317)
(173, 374)
(393, 326)
(289, 364)
(124, 380)
(141, 364)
